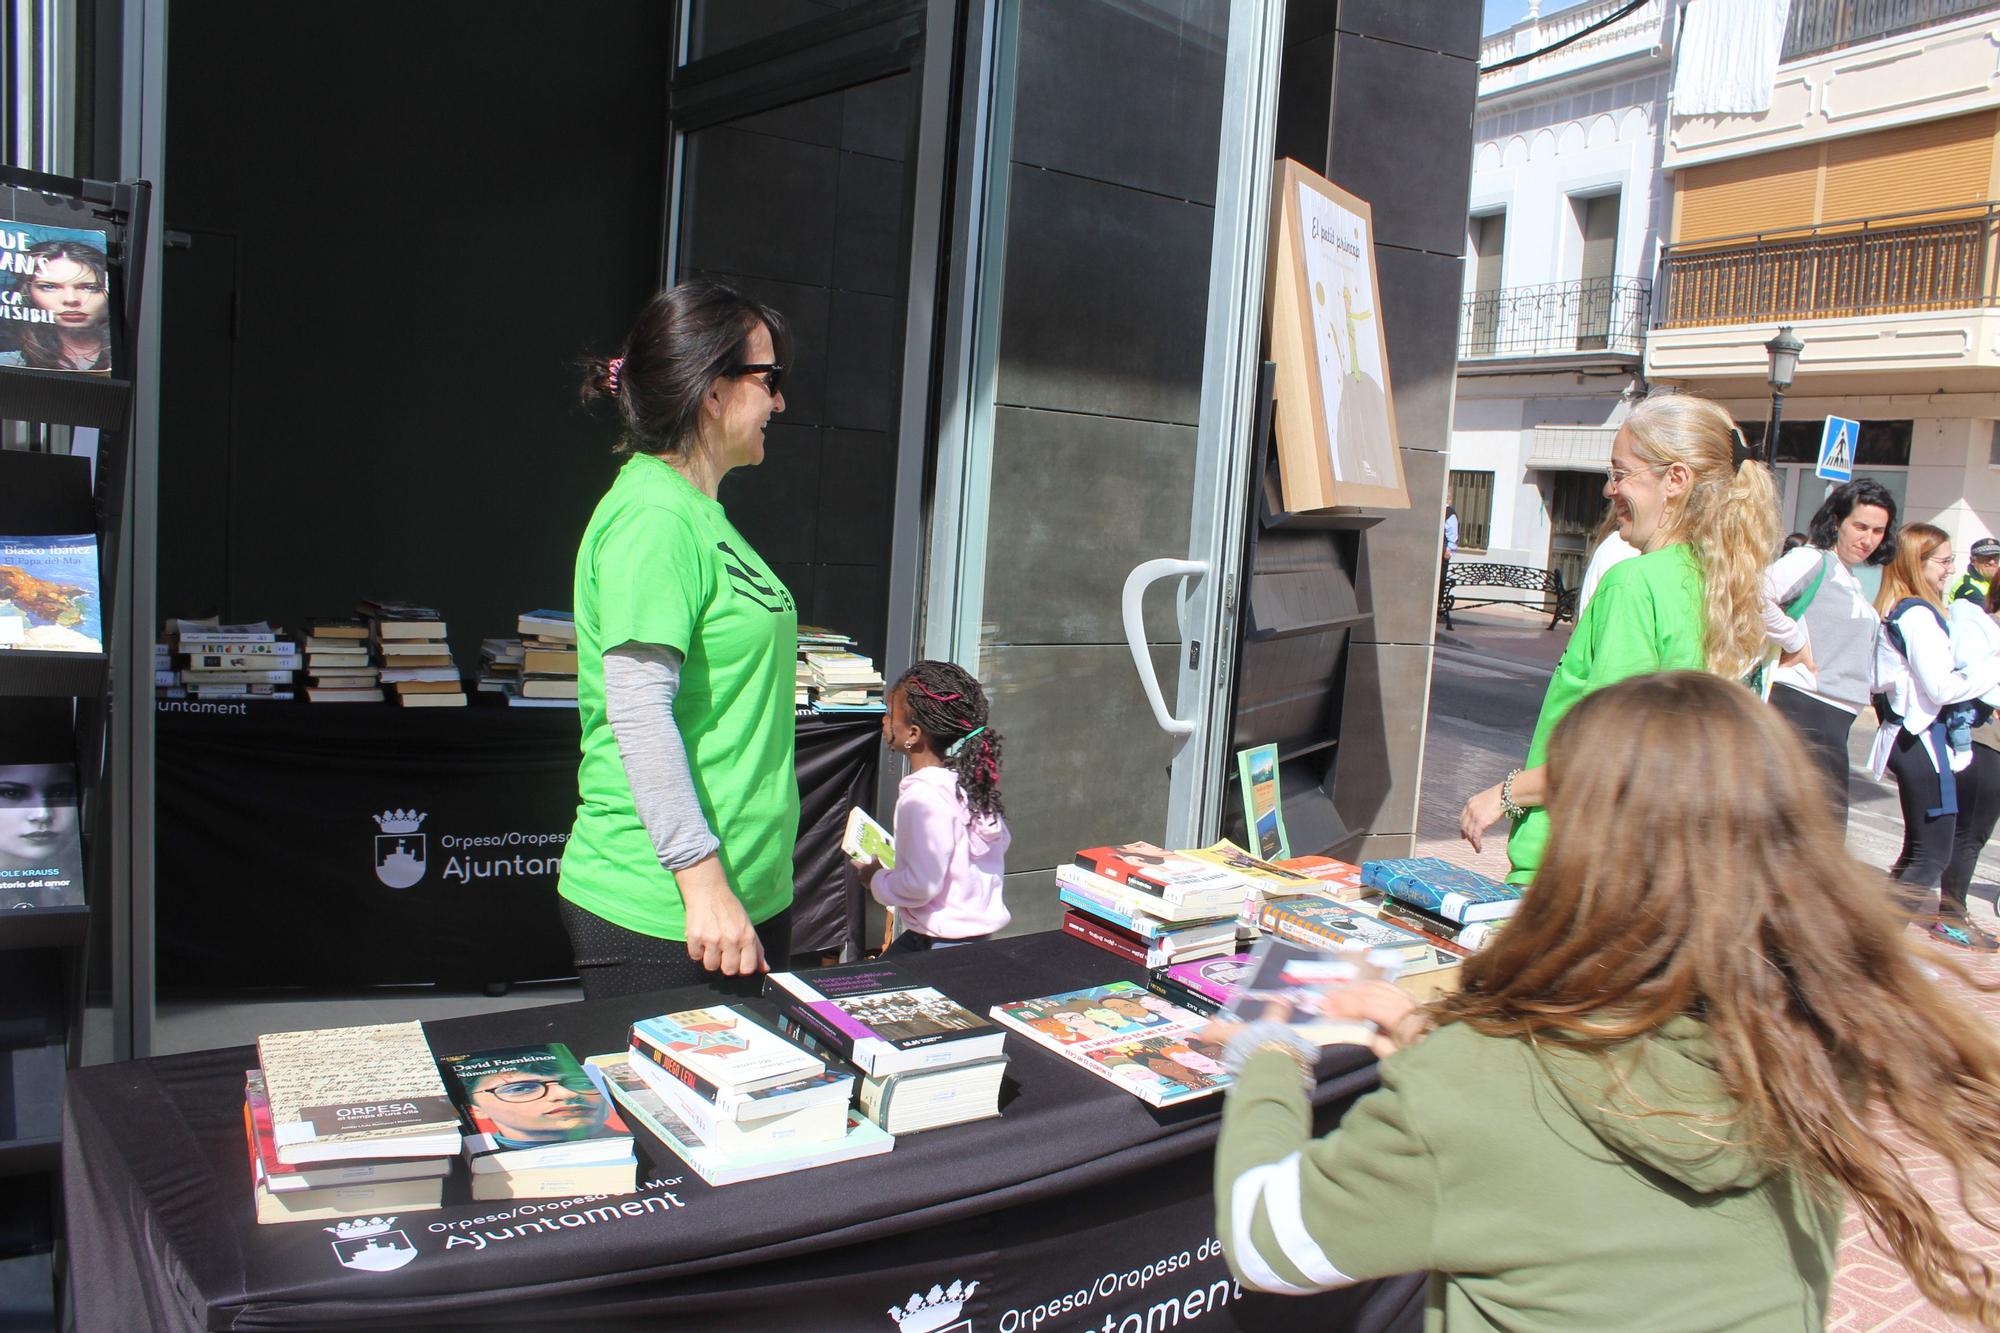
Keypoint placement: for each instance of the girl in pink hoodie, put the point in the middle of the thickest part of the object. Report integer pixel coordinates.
(951, 839)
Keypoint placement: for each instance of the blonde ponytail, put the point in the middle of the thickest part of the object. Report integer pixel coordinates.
(1728, 517)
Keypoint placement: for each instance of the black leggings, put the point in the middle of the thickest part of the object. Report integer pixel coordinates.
(614, 961)
(1978, 811)
(1927, 838)
(1825, 729)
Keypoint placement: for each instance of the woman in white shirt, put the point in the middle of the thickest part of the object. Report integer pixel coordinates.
(1825, 626)
(1918, 679)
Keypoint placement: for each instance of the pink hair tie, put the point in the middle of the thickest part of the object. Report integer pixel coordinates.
(611, 369)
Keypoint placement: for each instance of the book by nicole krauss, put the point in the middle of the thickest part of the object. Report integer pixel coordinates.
(49, 594)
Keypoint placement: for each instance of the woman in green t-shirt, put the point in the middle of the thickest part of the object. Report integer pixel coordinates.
(1692, 600)
(679, 867)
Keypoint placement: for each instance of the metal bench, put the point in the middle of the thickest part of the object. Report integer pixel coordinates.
(1545, 583)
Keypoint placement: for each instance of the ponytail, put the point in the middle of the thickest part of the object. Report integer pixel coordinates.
(949, 707)
(1728, 517)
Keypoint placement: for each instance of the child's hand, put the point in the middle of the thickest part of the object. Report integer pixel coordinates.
(1382, 1003)
(865, 867)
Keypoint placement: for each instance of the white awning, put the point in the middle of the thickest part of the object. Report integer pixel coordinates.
(1572, 448)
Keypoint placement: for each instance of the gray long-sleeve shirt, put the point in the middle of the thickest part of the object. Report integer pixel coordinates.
(640, 682)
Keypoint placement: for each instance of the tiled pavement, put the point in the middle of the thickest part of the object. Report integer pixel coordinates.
(1872, 1294)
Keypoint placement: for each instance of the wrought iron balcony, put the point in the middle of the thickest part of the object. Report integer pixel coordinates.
(1814, 26)
(1604, 316)
(1941, 259)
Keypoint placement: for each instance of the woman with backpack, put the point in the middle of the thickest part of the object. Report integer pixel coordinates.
(1824, 625)
(1927, 693)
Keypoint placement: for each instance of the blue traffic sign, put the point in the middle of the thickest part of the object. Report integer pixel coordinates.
(1836, 449)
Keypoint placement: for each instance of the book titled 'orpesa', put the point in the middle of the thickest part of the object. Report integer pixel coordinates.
(881, 1020)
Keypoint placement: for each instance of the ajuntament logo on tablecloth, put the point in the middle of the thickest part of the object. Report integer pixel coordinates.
(371, 1244)
(935, 1311)
(400, 851)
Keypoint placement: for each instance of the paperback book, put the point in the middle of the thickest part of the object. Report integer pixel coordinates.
(1198, 941)
(49, 600)
(922, 1098)
(1335, 879)
(55, 298)
(865, 839)
(1163, 874)
(1436, 885)
(1203, 986)
(1322, 924)
(614, 1074)
(722, 1050)
(533, 1106)
(370, 1091)
(1124, 1034)
(284, 1178)
(41, 848)
(1286, 981)
(1263, 812)
(880, 1020)
(1206, 905)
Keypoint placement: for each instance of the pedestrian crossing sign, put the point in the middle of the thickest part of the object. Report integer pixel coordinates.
(1836, 449)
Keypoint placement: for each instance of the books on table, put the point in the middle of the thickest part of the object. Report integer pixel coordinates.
(919, 1099)
(1123, 1033)
(1322, 924)
(1285, 980)
(414, 660)
(1202, 986)
(1436, 885)
(639, 1098)
(1170, 879)
(1209, 905)
(537, 1117)
(1201, 940)
(287, 1193)
(725, 1072)
(356, 1092)
(881, 1020)
(49, 598)
(1335, 879)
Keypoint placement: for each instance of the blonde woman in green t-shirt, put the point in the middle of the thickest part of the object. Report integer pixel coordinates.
(1694, 598)
(679, 867)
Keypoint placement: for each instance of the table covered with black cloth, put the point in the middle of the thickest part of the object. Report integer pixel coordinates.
(1078, 1208)
(335, 846)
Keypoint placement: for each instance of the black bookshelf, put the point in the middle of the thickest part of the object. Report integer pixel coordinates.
(44, 951)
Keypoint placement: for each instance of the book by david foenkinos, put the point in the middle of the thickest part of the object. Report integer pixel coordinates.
(49, 594)
(41, 854)
(55, 298)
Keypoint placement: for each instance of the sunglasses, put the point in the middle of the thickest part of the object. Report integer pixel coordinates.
(770, 374)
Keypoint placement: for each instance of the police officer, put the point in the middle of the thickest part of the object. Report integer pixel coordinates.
(1978, 575)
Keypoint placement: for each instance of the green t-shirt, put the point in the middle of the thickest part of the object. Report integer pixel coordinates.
(1649, 614)
(661, 564)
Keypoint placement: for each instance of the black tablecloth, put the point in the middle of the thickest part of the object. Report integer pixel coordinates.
(1078, 1208)
(275, 821)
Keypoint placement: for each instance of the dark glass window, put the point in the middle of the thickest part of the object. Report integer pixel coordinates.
(1882, 444)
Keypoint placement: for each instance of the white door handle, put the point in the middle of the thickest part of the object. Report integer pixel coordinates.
(1142, 577)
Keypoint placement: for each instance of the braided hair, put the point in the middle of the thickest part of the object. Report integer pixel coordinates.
(948, 706)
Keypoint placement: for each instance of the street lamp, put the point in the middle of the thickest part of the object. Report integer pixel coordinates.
(1784, 352)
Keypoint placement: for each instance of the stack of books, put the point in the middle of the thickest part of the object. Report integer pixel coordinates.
(347, 1122)
(1203, 987)
(500, 669)
(734, 1099)
(539, 1126)
(1124, 1033)
(1425, 966)
(1150, 906)
(409, 644)
(548, 659)
(832, 677)
(207, 660)
(1447, 904)
(339, 667)
(920, 1059)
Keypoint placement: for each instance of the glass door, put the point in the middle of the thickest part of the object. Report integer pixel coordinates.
(1096, 405)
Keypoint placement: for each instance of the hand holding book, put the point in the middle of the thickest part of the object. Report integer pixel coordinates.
(1328, 998)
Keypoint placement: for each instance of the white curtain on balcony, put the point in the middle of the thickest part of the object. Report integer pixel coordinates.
(1728, 57)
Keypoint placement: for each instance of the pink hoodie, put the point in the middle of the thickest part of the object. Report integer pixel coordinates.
(949, 866)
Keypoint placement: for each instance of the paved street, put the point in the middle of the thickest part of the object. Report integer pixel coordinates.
(1486, 691)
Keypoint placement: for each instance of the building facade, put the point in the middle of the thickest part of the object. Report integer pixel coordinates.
(1565, 217)
(1858, 209)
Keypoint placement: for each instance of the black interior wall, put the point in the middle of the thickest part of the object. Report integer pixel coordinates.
(403, 225)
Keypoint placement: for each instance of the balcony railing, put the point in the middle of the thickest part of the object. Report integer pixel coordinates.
(1814, 26)
(1606, 315)
(1936, 260)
